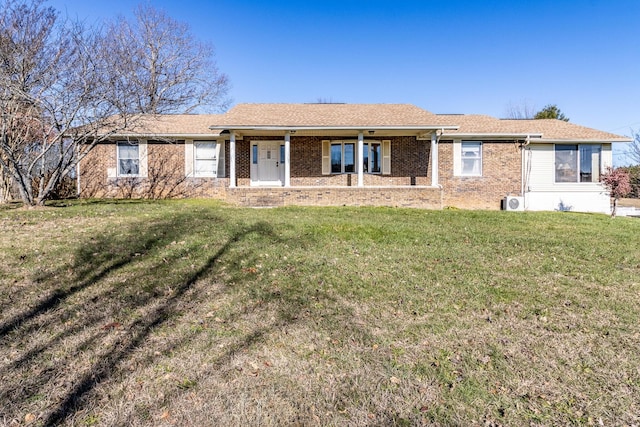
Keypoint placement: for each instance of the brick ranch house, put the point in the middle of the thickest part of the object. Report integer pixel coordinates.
(355, 154)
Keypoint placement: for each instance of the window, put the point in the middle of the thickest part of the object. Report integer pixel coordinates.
(254, 159)
(336, 158)
(590, 163)
(205, 158)
(349, 157)
(128, 159)
(343, 157)
(371, 161)
(471, 155)
(578, 163)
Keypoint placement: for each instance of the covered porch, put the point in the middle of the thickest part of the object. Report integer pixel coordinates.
(332, 157)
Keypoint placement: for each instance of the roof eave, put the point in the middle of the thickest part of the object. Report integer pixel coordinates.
(578, 141)
(536, 136)
(333, 128)
(167, 135)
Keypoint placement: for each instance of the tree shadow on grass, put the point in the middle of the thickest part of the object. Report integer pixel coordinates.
(141, 328)
(71, 309)
(123, 287)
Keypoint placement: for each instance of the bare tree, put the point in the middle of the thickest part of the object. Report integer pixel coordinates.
(633, 150)
(520, 110)
(162, 68)
(65, 88)
(55, 102)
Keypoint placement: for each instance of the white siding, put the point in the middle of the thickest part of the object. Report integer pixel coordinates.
(607, 156)
(568, 201)
(543, 193)
(539, 167)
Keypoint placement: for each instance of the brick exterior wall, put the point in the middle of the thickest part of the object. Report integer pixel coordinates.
(501, 175)
(165, 175)
(410, 174)
(93, 171)
(413, 197)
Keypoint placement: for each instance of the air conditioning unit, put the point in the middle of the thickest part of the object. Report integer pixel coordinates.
(514, 203)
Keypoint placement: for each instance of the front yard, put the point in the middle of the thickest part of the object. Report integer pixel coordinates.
(197, 313)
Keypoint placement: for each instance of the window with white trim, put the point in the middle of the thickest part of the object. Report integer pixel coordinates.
(205, 154)
(128, 158)
(343, 157)
(471, 158)
(372, 157)
(578, 163)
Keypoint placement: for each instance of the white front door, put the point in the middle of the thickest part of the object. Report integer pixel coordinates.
(269, 165)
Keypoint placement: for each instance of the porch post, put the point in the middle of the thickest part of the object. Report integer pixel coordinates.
(232, 159)
(434, 160)
(360, 159)
(287, 159)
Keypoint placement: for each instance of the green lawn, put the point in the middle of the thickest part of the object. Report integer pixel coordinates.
(197, 313)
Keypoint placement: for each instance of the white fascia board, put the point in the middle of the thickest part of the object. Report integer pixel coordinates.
(168, 135)
(580, 141)
(536, 136)
(321, 128)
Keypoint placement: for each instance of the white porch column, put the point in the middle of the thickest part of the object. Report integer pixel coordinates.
(287, 159)
(360, 159)
(434, 160)
(232, 159)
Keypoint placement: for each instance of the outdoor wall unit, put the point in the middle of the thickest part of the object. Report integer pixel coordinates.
(513, 203)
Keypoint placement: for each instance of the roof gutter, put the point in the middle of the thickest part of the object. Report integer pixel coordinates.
(578, 141)
(321, 128)
(537, 136)
(166, 135)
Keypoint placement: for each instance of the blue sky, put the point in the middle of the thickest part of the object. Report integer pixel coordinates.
(450, 56)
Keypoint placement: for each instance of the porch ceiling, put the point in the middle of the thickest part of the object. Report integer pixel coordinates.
(327, 132)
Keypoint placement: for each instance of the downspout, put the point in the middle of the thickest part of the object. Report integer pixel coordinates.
(435, 162)
(524, 168)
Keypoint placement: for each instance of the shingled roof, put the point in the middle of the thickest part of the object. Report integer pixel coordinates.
(358, 116)
(546, 129)
(171, 125)
(328, 115)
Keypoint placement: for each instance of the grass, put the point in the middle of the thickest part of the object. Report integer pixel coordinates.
(197, 313)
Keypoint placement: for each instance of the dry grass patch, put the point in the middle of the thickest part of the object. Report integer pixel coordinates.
(194, 313)
(629, 202)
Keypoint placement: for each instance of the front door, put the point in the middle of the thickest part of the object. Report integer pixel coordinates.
(269, 163)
